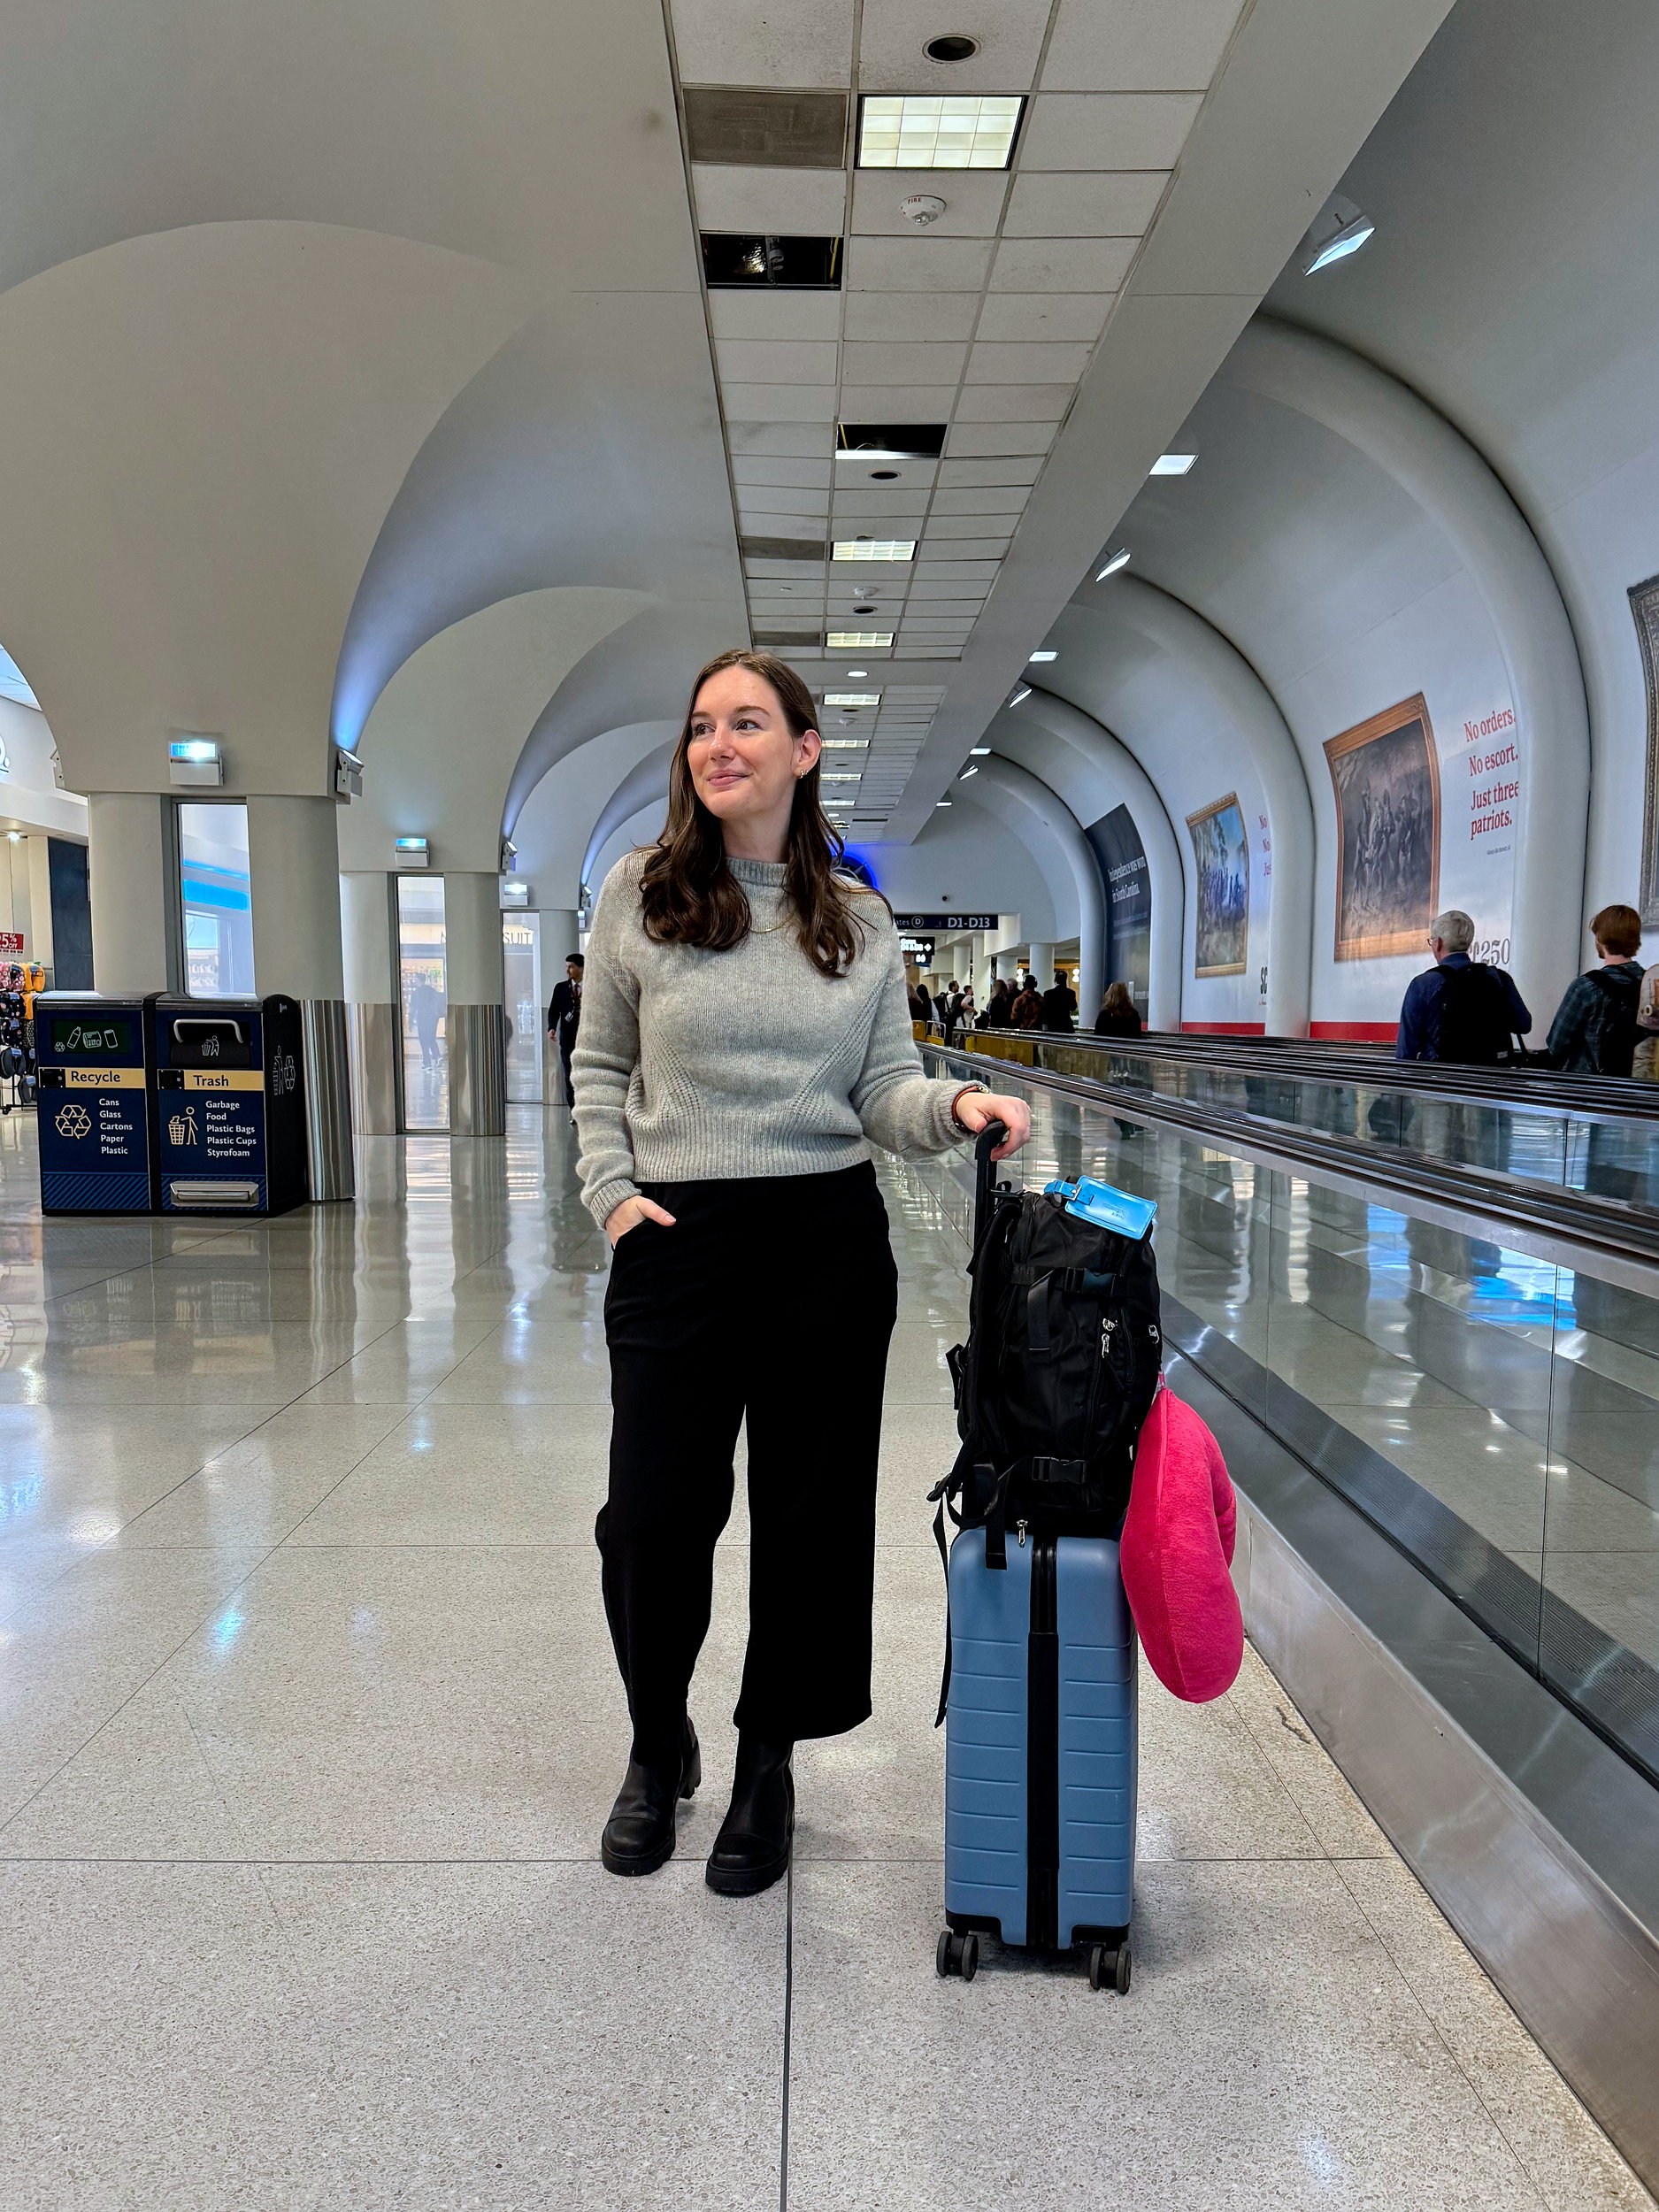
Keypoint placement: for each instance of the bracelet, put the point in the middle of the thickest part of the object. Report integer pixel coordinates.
(956, 1100)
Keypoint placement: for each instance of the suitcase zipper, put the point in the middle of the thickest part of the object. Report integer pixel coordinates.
(1042, 1751)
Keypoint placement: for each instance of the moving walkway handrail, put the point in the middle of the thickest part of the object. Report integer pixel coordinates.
(1589, 1220)
(1547, 1091)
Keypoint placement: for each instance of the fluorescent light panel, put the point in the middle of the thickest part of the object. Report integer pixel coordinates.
(849, 640)
(929, 130)
(1114, 561)
(1173, 463)
(875, 548)
(1042, 656)
(852, 698)
(845, 744)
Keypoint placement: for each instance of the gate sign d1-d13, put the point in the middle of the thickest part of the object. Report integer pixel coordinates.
(942, 924)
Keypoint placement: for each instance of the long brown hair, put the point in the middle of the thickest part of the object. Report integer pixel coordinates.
(687, 894)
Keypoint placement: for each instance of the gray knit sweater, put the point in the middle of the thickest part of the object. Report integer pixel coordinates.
(693, 1065)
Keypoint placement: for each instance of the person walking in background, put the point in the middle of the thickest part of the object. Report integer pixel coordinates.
(999, 1007)
(1118, 1016)
(1059, 1007)
(564, 1016)
(1596, 1028)
(1027, 1009)
(950, 1011)
(426, 1011)
(1460, 1009)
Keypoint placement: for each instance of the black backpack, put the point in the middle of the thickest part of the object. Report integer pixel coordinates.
(1612, 1032)
(1477, 1025)
(1058, 1375)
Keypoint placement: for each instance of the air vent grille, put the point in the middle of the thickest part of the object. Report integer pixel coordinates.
(784, 549)
(767, 130)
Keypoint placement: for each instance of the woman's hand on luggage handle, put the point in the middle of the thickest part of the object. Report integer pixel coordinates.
(629, 1215)
(974, 1109)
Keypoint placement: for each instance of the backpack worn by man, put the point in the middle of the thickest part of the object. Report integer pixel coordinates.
(1611, 1030)
(1476, 1026)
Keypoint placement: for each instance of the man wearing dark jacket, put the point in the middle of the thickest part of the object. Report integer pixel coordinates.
(1595, 1032)
(565, 1015)
(1459, 1010)
(1059, 1006)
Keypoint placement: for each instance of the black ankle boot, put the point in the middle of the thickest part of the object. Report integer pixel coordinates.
(640, 1834)
(752, 1848)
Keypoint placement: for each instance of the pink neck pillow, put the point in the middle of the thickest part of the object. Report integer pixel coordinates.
(1175, 1551)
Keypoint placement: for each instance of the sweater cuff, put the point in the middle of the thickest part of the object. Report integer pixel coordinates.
(604, 1202)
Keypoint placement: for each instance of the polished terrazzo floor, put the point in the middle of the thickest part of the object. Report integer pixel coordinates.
(308, 1725)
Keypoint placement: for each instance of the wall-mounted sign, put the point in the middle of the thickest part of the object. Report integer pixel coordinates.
(918, 951)
(10, 943)
(1122, 861)
(944, 924)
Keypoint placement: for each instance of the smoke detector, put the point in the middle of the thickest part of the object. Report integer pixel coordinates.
(922, 208)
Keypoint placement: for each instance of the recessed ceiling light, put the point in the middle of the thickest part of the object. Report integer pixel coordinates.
(930, 130)
(874, 549)
(1019, 692)
(1337, 231)
(851, 673)
(1114, 561)
(966, 773)
(1044, 656)
(941, 802)
(985, 748)
(852, 698)
(838, 641)
(953, 46)
(883, 476)
(830, 777)
(1173, 465)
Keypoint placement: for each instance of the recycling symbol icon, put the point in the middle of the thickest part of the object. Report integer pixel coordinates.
(73, 1121)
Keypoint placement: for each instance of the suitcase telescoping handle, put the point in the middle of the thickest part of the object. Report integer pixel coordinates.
(984, 1173)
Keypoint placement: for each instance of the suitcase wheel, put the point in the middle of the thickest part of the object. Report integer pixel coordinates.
(958, 1955)
(1108, 1967)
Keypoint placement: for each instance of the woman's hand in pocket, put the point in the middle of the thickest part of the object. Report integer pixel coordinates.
(629, 1215)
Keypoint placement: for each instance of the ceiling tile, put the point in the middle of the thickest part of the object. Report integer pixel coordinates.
(916, 362)
(854, 472)
(999, 470)
(969, 440)
(1137, 46)
(897, 402)
(985, 499)
(918, 263)
(803, 42)
(786, 571)
(1112, 204)
(974, 201)
(1012, 403)
(1028, 363)
(775, 361)
(792, 203)
(780, 500)
(806, 475)
(1106, 130)
(1061, 265)
(929, 571)
(779, 403)
(803, 440)
(959, 590)
(943, 610)
(768, 314)
(870, 500)
(941, 527)
(1044, 315)
(895, 315)
(985, 549)
(894, 33)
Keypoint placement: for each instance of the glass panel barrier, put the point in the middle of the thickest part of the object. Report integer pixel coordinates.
(1494, 1412)
(215, 899)
(423, 982)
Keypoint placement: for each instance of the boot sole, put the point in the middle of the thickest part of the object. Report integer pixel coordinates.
(750, 1882)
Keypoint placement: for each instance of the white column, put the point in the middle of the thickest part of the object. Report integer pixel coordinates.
(133, 859)
(474, 1021)
(34, 863)
(294, 891)
(372, 1002)
(1042, 964)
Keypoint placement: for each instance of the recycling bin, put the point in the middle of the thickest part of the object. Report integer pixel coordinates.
(95, 1131)
(230, 1105)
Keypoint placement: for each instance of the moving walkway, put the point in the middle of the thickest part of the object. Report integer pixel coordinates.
(1420, 1306)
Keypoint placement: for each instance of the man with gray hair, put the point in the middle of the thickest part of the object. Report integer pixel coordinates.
(1460, 1009)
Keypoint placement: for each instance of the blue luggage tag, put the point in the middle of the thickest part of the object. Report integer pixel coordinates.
(1106, 1207)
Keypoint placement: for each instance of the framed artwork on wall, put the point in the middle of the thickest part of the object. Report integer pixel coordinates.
(1386, 774)
(1644, 605)
(1223, 860)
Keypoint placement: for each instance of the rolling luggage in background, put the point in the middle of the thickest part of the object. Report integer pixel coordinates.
(1038, 1704)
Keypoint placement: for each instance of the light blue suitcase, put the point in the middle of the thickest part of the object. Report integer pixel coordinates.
(1039, 1754)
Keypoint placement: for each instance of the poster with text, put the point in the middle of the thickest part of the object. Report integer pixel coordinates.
(1387, 779)
(1123, 863)
(1222, 866)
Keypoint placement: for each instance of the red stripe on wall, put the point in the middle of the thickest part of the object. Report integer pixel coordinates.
(1227, 1029)
(1356, 1032)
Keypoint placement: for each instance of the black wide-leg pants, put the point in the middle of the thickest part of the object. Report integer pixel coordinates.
(772, 1300)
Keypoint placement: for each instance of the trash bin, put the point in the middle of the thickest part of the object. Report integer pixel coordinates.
(230, 1106)
(96, 1156)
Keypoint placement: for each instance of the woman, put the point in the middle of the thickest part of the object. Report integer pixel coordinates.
(999, 1006)
(745, 1031)
(1026, 1012)
(1118, 1016)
